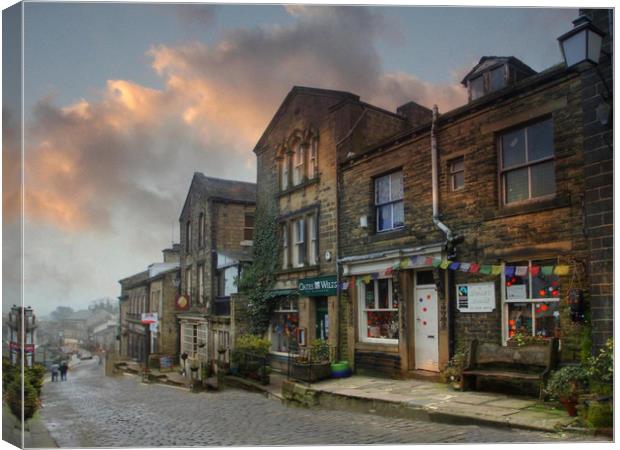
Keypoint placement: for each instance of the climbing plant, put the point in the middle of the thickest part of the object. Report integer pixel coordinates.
(259, 278)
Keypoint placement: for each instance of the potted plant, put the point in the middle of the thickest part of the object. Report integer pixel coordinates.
(453, 371)
(521, 339)
(566, 384)
(313, 363)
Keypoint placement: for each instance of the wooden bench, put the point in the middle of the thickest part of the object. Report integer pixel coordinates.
(531, 363)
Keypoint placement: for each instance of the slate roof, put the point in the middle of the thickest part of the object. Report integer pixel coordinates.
(232, 190)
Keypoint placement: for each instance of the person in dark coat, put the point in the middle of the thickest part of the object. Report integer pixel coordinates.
(63, 371)
(55, 369)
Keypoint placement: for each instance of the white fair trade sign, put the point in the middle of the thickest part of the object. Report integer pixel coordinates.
(475, 297)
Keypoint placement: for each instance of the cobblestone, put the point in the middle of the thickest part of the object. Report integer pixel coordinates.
(91, 410)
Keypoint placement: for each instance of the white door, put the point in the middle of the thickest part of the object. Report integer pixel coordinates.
(426, 329)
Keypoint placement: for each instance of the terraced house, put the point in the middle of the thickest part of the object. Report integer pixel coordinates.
(217, 223)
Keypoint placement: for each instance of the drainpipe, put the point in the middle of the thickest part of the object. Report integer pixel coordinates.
(451, 240)
(438, 223)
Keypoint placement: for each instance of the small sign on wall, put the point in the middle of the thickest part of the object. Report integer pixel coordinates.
(475, 297)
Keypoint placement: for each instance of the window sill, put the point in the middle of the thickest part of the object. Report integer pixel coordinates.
(531, 206)
(391, 234)
(297, 187)
(297, 269)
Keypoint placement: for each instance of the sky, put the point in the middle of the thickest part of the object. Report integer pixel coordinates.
(124, 102)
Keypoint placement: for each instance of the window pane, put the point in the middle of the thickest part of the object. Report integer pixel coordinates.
(384, 217)
(545, 286)
(457, 165)
(540, 140)
(543, 179)
(399, 214)
(547, 319)
(497, 78)
(517, 288)
(477, 88)
(382, 190)
(384, 294)
(283, 329)
(519, 318)
(513, 148)
(397, 186)
(458, 180)
(382, 324)
(369, 299)
(516, 185)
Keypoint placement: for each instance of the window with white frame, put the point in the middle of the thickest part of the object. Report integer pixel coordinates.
(201, 294)
(284, 324)
(298, 161)
(313, 244)
(284, 168)
(299, 246)
(527, 162)
(531, 299)
(378, 312)
(285, 250)
(389, 201)
(188, 281)
(457, 173)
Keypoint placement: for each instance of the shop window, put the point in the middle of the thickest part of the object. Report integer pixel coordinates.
(532, 299)
(457, 174)
(527, 162)
(378, 312)
(284, 324)
(389, 201)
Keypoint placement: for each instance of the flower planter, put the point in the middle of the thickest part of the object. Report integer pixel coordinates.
(310, 372)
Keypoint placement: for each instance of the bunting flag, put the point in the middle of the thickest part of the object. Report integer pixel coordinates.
(388, 271)
(465, 267)
(436, 262)
(496, 270)
(547, 270)
(509, 271)
(521, 271)
(404, 263)
(375, 276)
(367, 279)
(535, 270)
(444, 264)
(485, 269)
(396, 265)
(454, 266)
(430, 261)
(474, 268)
(561, 270)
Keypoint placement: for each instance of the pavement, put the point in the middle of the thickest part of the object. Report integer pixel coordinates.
(92, 410)
(435, 402)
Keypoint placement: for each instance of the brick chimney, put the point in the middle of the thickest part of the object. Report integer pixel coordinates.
(415, 114)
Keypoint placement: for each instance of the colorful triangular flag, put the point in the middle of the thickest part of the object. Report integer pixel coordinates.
(388, 271)
(535, 270)
(509, 270)
(436, 262)
(485, 269)
(561, 270)
(547, 270)
(404, 263)
(454, 266)
(465, 267)
(444, 264)
(521, 271)
(474, 268)
(496, 270)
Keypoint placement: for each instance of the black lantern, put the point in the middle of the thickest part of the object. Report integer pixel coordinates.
(582, 43)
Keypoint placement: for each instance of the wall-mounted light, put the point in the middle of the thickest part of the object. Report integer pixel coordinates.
(364, 221)
(582, 43)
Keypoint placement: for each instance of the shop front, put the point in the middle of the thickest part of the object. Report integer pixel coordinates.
(302, 315)
(399, 316)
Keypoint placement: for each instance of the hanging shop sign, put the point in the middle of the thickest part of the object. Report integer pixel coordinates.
(475, 297)
(318, 286)
(148, 318)
(181, 302)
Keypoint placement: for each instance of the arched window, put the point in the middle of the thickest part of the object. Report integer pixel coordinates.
(313, 164)
(188, 236)
(284, 171)
(299, 162)
(201, 229)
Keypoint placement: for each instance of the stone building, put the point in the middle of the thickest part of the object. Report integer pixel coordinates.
(153, 291)
(297, 177)
(470, 224)
(217, 224)
(21, 326)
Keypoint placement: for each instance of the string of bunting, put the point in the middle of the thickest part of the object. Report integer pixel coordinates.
(468, 267)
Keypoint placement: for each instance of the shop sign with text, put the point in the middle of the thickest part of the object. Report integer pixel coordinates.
(318, 286)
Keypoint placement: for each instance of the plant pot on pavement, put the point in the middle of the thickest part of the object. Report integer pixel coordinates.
(570, 405)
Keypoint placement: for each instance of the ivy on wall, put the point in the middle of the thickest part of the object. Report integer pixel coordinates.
(257, 280)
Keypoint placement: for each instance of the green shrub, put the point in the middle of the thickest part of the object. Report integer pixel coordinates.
(600, 369)
(567, 383)
(14, 398)
(319, 351)
(599, 415)
(453, 372)
(35, 376)
(249, 353)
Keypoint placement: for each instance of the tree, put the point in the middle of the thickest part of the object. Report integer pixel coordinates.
(61, 313)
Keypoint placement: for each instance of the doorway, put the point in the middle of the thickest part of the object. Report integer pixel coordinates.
(426, 327)
(321, 319)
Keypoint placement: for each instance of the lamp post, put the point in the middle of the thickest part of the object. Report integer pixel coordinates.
(582, 43)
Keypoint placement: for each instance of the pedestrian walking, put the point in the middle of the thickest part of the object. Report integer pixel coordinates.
(55, 368)
(63, 371)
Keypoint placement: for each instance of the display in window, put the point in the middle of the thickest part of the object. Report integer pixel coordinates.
(547, 317)
(284, 331)
(382, 324)
(519, 319)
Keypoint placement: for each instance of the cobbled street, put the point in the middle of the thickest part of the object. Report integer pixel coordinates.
(92, 410)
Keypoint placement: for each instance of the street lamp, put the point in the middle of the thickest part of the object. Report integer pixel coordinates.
(582, 43)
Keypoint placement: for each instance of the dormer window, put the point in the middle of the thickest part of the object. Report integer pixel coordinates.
(493, 73)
